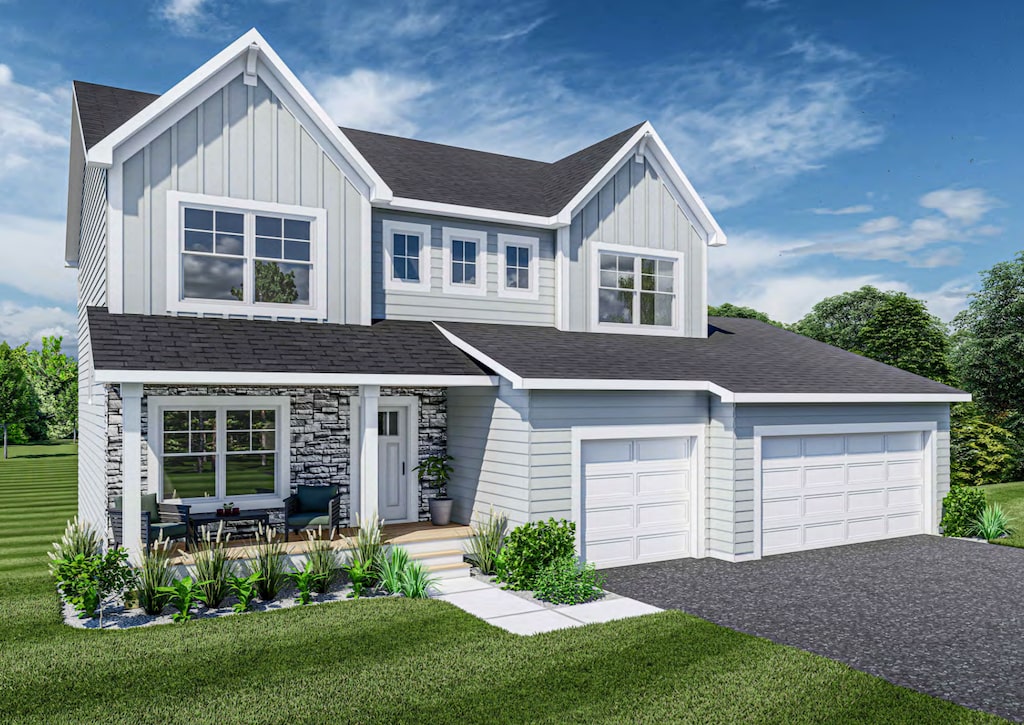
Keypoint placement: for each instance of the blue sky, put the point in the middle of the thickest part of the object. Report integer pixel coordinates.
(838, 144)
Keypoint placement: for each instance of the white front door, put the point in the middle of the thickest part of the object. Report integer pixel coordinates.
(824, 490)
(637, 500)
(393, 466)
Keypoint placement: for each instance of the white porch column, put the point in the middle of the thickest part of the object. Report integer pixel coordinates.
(369, 400)
(131, 468)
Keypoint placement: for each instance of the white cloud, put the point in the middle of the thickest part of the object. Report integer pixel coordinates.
(881, 224)
(372, 100)
(19, 323)
(33, 260)
(964, 205)
(766, 5)
(814, 50)
(185, 16)
(33, 126)
(856, 209)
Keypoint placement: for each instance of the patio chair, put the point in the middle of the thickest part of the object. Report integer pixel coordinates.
(169, 520)
(311, 507)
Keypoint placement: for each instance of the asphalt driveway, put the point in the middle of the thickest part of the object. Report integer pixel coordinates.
(941, 616)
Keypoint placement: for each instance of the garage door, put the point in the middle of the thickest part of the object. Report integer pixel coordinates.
(824, 490)
(637, 500)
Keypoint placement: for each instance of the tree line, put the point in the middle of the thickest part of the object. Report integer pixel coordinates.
(981, 351)
(38, 393)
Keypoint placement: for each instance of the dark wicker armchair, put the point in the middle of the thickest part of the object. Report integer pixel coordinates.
(169, 520)
(311, 507)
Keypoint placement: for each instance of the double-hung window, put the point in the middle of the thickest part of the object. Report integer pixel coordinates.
(637, 290)
(231, 254)
(220, 448)
(518, 266)
(406, 256)
(465, 261)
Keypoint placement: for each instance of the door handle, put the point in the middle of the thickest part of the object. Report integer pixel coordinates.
(403, 468)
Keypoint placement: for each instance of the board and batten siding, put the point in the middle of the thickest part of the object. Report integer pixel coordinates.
(748, 416)
(438, 305)
(242, 142)
(489, 438)
(553, 414)
(92, 399)
(635, 208)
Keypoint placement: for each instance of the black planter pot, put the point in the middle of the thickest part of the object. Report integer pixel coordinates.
(441, 511)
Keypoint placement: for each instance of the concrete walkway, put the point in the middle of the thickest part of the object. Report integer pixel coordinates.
(522, 616)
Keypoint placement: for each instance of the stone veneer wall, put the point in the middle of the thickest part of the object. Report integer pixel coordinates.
(320, 422)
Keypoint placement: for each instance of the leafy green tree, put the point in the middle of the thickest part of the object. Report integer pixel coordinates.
(890, 327)
(15, 390)
(988, 340)
(980, 451)
(272, 284)
(728, 309)
(54, 378)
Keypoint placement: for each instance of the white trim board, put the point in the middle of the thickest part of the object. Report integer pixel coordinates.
(390, 227)
(928, 427)
(451, 234)
(698, 431)
(533, 269)
(595, 249)
(227, 377)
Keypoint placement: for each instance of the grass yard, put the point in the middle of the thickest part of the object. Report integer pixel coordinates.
(1011, 497)
(390, 660)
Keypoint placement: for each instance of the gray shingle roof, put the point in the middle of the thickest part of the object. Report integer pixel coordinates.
(413, 169)
(157, 342)
(742, 356)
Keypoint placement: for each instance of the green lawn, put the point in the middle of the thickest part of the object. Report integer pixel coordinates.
(1011, 497)
(391, 660)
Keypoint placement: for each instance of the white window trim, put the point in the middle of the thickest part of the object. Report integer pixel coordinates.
(178, 200)
(391, 227)
(533, 244)
(470, 235)
(635, 329)
(280, 403)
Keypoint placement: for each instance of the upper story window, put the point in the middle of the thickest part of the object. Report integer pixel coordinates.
(518, 272)
(465, 261)
(233, 253)
(406, 256)
(637, 290)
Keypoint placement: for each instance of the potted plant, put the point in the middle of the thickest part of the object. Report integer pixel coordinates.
(435, 472)
(228, 509)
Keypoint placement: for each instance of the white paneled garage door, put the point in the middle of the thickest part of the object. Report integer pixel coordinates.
(637, 504)
(824, 490)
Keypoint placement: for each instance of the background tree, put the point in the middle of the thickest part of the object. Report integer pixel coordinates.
(54, 377)
(31, 427)
(980, 452)
(890, 327)
(15, 391)
(728, 309)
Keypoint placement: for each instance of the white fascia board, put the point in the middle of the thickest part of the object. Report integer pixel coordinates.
(517, 382)
(614, 384)
(76, 186)
(102, 154)
(227, 377)
(852, 398)
(471, 212)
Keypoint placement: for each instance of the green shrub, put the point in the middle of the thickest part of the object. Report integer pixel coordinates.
(532, 547)
(980, 452)
(487, 541)
(79, 538)
(567, 581)
(992, 523)
(153, 577)
(303, 581)
(323, 562)
(367, 547)
(88, 581)
(182, 595)
(416, 581)
(268, 563)
(391, 569)
(213, 568)
(244, 589)
(960, 509)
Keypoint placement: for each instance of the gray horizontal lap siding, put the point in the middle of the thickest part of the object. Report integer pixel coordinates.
(635, 208)
(436, 304)
(722, 503)
(748, 416)
(242, 143)
(553, 414)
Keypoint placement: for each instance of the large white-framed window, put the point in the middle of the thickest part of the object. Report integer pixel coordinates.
(465, 261)
(214, 449)
(636, 290)
(518, 266)
(406, 256)
(235, 255)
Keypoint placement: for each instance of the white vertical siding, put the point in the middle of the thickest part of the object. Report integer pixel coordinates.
(748, 416)
(92, 402)
(489, 437)
(437, 305)
(636, 208)
(553, 414)
(244, 143)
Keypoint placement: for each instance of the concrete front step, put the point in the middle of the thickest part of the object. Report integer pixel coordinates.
(449, 571)
(437, 558)
(415, 548)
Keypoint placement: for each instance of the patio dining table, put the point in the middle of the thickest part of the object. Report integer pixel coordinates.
(199, 520)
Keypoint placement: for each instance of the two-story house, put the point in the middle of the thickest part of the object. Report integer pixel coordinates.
(268, 300)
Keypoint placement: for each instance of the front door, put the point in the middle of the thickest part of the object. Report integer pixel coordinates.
(392, 469)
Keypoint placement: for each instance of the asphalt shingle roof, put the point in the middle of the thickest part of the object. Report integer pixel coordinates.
(742, 356)
(413, 169)
(158, 342)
